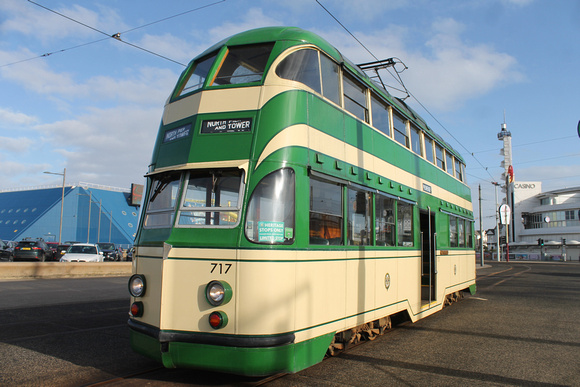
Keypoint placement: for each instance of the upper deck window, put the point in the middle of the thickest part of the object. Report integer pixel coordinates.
(243, 64)
(400, 127)
(212, 198)
(330, 83)
(429, 149)
(458, 170)
(449, 163)
(416, 140)
(355, 99)
(301, 66)
(380, 113)
(313, 69)
(197, 75)
(439, 156)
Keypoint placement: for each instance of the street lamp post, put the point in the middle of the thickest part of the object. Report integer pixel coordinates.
(63, 174)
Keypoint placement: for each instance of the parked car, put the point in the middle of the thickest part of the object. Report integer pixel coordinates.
(83, 252)
(61, 250)
(54, 248)
(110, 251)
(32, 250)
(6, 251)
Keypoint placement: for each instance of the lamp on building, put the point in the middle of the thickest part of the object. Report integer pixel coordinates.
(63, 174)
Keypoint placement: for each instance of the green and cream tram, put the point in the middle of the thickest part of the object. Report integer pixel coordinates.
(289, 199)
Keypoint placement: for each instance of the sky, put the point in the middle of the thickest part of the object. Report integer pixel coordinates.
(73, 97)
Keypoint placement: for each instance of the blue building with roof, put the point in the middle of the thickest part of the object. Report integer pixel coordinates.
(91, 214)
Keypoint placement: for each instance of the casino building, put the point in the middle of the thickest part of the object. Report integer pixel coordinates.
(90, 213)
(545, 225)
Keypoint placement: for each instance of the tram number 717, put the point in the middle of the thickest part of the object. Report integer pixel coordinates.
(223, 267)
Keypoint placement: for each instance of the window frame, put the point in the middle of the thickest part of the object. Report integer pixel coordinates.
(183, 210)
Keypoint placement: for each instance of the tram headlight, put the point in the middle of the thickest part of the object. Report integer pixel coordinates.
(218, 292)
(137, 285)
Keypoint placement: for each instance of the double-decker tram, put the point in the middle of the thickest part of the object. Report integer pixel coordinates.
(292, 205)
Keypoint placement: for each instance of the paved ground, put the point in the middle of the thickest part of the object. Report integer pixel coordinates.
(522, 328)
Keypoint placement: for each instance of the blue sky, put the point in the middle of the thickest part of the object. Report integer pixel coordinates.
(94, 104)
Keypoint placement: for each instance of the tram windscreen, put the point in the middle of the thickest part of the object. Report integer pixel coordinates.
(212, 198)
(243, 64)
(197, 75)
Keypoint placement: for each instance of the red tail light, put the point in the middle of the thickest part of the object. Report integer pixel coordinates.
(137, 309)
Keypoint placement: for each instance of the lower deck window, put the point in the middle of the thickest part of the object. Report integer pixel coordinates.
(270, 216)
(325, 213)
(405, 224)
(359, 218)
(385, 221)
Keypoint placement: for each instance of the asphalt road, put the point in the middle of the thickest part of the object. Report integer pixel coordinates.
(522, 328)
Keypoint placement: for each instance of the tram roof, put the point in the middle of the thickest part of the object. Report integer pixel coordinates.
(300, 36)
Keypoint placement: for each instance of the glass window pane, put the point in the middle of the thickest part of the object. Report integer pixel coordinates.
(355, 100)
(468, 234)
(404, 224)
(325, 213)
(458, 170)
(359, 218)
(330, 85)
(452, 231)
(197, 75)
(301, 66)
(400, 127)
(216, 191)
(385, 221)
(449, 162)
(380, 112)
(270, 217)
(461, 232)
(162, 201)
(439, 156)
(429, 149)
(243, 64)
(416, 140)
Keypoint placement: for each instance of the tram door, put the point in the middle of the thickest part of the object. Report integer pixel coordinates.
(428, 255)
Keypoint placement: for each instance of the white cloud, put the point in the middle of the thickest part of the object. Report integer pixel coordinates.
(32, 20)
(106, 146)
(445, 73)
(9, 118)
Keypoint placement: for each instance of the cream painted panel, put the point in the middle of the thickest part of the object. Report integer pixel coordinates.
(235, 99)
(182, 108)
(360, 285)
(266, 297)
(151, 269)
(212, 101)
(409, 283)
(384, 296)
(320, 294)
(184, 306)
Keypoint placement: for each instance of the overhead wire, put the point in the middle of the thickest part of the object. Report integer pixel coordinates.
(116, 36)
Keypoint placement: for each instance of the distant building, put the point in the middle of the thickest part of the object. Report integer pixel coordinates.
(546, 225)
(35, 213)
